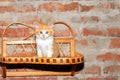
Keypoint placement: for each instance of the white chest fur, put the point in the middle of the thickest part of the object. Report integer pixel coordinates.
(44, 47)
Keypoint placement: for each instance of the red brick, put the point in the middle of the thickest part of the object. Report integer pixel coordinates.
(83, 19)
(56, 6)
(52, 6)
(49, 7)
(60, 7)
(112, 5)
(106, 6)
(32, 78)
(115, 43)
(41, 78)
(95, 18)
(109, 57)
(85, 8)
(94, 41)
(98, 78)
(91, 70)
(52, 78)
(72, 6)
(87, 32)
(83, 42)
(71, 78)
(114, 32)
(1, 78)
(29, 78)
(15, 32)
(89, 19)
(7, 0)
(6, 9)
(24, 8)
(40, 7)
(34, 20)
(3, 23)
(17, 78)
(112, 69)
(65, 32)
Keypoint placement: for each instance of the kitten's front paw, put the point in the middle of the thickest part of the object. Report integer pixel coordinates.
(39, 55)
(50, 55)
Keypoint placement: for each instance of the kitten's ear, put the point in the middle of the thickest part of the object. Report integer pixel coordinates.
(36, 25)
(51, 25)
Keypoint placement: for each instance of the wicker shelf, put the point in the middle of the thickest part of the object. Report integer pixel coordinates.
(46, 66)
(34, 60)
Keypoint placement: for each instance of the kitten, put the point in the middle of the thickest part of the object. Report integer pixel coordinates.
(44, 40)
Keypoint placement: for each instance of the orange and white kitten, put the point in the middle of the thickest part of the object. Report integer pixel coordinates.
(44, 40)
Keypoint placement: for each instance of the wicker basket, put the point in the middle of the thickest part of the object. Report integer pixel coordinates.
(65, 65)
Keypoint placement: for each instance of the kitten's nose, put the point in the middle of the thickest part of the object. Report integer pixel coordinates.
(43, 35)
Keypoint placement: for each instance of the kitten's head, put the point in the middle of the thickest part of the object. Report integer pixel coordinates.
(44, 31)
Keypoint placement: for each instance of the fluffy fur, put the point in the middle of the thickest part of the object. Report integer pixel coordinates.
(44, 40)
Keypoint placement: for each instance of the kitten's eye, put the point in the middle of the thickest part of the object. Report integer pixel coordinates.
(41, 32)
(46, 32)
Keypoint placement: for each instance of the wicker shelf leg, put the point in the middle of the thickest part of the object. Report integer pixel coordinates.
(73, 70)
(3, 70)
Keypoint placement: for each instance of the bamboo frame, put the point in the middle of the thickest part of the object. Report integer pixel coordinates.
(73, 60)
(38, 73)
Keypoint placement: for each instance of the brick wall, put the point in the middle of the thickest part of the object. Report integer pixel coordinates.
(95, 22)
